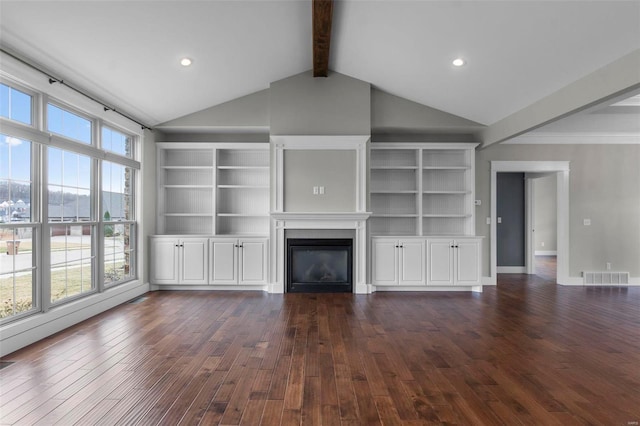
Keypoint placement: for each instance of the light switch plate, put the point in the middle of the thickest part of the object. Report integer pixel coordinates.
(315, 190)
(586, 222)
(322, 190)
(478, 202)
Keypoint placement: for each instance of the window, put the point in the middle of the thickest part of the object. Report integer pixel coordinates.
(72, 252)
(118, 225)
(83, 180)
(69, 186)
(116, 142)
(15, 105)
(15, 180)
(66, 123)
(17, 260)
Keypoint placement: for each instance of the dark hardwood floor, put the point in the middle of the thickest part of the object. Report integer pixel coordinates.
(524, 352)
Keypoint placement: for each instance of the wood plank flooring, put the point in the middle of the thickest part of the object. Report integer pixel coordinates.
(524, 352)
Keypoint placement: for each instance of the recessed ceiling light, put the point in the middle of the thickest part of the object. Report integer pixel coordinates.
(458, 62)
(185, 62)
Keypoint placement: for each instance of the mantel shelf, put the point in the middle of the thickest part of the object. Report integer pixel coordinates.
(321, 216)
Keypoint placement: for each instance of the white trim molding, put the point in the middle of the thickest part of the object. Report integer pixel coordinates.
(358, 143)
(561, 169)
(575, 138)
(314, 221)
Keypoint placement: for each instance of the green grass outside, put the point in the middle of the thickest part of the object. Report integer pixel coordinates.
(25, 246)
(77, 280)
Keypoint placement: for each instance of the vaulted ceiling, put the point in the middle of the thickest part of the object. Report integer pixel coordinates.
(127, 52)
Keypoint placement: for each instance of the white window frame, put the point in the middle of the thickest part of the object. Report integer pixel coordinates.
(40, 138)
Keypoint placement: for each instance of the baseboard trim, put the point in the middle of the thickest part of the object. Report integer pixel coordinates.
(511, 269)
(489, 281)
(261, 287)
(16, 335)
(428, 288)
(546, 252)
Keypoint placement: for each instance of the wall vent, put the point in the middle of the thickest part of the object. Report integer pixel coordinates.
(605, 278)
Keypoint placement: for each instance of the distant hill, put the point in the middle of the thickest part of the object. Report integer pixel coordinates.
(66, 205)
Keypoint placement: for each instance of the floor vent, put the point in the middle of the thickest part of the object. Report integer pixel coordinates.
(606, 278)
(138, 300)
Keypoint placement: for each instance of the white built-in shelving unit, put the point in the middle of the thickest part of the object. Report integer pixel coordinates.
(422, 189)
(213, 189)
(242, 192)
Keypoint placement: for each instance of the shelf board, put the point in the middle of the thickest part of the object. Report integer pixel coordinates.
(446, 167)
(391, 191)
(446, 192)
(266, 168)
(243, 215)
(188, 214)
(189, 186)
(187, 167)
(243, 186)
(394, 167)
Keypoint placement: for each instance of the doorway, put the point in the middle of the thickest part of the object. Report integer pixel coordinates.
(542, 224)
(561, 170)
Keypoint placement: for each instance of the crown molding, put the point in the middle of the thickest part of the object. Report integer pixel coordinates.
(591, 138)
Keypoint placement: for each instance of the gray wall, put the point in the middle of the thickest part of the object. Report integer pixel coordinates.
(333, 169)
(545, 215)
(604, 186)
(335, 105)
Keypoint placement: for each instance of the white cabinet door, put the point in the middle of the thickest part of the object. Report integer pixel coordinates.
(253, 261)
(439, 262)
(224, 261)
(164, 261)
(412, 262)
(384, 259)
(194, 269)
(468, 262)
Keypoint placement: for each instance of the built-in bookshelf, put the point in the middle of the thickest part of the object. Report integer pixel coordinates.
(242, 192)
(394, 191)
(213, 189)
(422, 189)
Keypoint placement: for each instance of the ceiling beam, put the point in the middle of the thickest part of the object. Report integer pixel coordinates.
(322, 15)
(609, 82)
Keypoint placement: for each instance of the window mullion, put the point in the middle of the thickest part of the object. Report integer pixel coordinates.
(96, 192)
(45, 240)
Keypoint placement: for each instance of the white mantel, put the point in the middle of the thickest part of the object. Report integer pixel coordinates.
(318, 221)
(353, 220)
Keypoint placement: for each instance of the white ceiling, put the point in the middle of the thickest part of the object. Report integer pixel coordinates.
(127, 52)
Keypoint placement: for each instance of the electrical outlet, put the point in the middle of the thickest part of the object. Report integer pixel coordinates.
(586, 222)
(608, 266)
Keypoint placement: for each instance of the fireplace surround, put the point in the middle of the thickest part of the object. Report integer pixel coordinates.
(319, 265)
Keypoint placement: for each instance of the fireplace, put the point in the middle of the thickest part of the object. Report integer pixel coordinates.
(319, 265)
